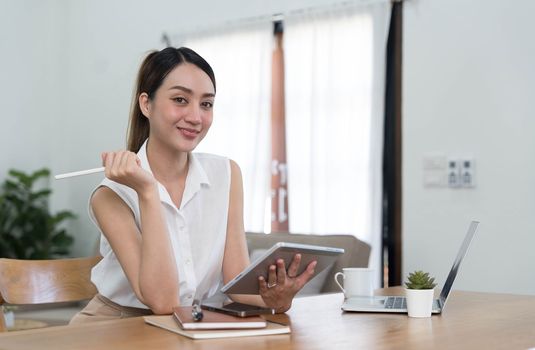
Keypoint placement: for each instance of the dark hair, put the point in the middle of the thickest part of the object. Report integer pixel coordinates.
(152, 72)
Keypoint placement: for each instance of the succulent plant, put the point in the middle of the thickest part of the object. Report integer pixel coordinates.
(420, 280)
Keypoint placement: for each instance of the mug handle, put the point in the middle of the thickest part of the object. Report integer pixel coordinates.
(338, 283)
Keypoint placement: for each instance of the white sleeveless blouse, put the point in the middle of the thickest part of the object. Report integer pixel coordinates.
(197, 232)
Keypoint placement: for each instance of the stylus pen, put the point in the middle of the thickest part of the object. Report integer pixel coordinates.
(79, 173)
(196, 311)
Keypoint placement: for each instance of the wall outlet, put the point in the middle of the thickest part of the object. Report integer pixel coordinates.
(440, 170)
(454, 172)
(467, 175)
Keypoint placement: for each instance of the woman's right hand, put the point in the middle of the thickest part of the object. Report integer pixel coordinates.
(125, 168)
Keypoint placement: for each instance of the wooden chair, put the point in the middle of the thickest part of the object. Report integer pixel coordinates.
(45, 281)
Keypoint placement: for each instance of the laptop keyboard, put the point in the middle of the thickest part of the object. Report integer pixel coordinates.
(395, 303)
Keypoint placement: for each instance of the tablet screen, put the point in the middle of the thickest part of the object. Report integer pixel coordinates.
(247, 281)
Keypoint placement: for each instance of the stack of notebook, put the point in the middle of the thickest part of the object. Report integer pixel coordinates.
(215, 325)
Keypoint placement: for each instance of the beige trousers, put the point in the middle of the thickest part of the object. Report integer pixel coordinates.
(101, 308)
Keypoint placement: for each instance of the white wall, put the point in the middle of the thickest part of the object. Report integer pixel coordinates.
(68, 69)
(469, 87)
(30, 89)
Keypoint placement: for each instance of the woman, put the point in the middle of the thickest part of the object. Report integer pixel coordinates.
(172, 220)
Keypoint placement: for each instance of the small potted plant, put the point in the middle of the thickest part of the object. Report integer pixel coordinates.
(419, 292)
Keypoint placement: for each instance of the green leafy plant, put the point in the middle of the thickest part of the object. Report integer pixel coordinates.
(27, 228)
(420, 280)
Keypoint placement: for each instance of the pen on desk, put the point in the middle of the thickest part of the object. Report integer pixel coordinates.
(196, 311)
(79, 173)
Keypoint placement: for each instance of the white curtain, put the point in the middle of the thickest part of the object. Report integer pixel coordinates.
(335, 77)
(241, 59)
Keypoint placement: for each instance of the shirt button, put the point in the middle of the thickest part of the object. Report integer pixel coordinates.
(188, 261)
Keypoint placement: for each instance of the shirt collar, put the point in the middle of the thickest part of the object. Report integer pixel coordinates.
(195, 179)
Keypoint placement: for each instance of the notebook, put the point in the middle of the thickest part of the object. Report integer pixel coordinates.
(397, 304)
(215, 320)
(167, 322)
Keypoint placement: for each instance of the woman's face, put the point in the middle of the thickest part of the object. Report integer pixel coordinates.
(181, 110)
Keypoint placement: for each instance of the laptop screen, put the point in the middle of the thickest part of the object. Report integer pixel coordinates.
(457, 263)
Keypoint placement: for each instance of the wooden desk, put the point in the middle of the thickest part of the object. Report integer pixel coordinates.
(318, 323)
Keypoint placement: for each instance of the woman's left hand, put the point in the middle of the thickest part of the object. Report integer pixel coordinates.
(281, 287)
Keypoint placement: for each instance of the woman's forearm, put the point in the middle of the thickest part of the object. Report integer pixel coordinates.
(158, 276)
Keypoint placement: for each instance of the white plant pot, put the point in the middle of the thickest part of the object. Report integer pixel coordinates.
(419, 302)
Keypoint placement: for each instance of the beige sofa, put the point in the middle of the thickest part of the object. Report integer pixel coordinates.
(356, 254)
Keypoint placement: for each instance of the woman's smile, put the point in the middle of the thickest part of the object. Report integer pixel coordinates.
(188, 133)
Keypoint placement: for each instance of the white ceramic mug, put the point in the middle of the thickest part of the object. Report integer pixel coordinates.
(357, 281)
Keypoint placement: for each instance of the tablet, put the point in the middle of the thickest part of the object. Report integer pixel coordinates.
(247, 281)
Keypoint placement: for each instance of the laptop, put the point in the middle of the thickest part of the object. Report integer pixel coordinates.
(397, 304)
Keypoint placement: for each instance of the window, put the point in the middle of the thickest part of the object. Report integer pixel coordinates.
(334, 93)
